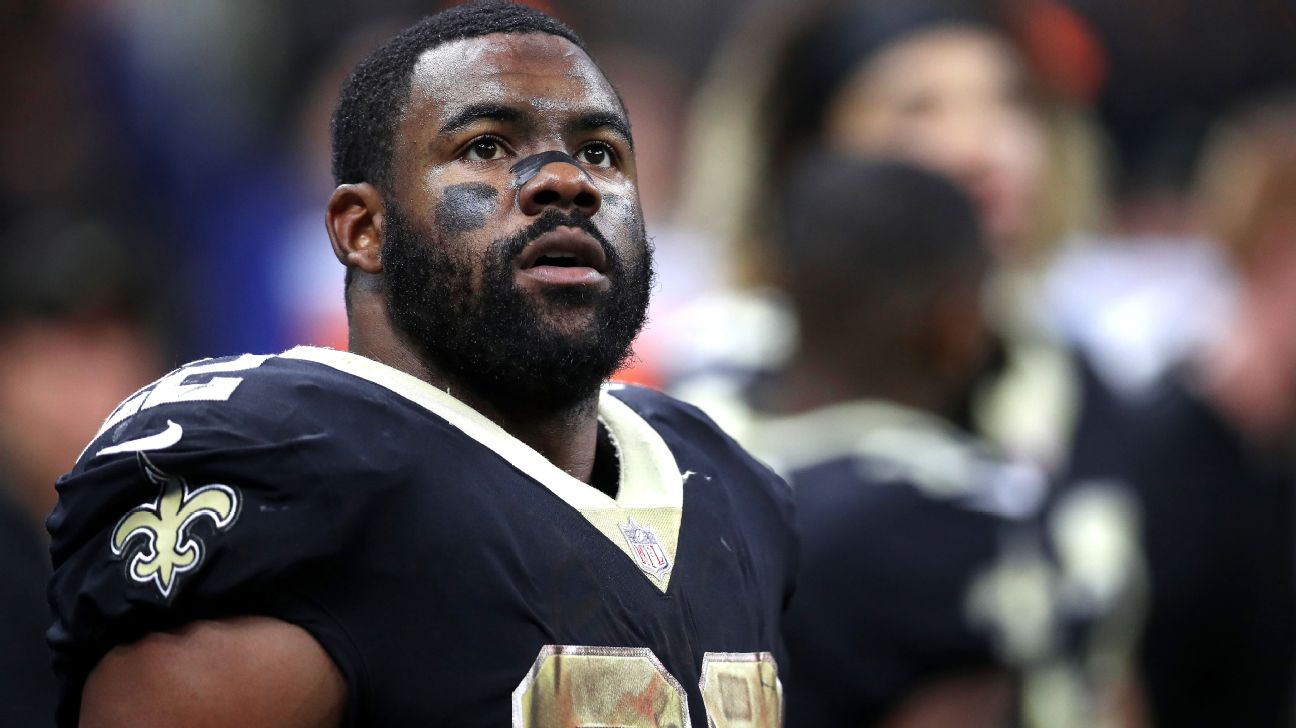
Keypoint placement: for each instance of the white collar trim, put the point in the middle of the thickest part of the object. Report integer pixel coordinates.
(650, 477)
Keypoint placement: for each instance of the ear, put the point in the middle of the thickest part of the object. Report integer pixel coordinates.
(354, 218)
(955, 340)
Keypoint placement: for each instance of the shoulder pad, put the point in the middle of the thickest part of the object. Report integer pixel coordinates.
(178, 507)
(205, 380)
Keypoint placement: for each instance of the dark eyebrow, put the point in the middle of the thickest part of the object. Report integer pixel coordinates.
(616, 123)
(476, 112)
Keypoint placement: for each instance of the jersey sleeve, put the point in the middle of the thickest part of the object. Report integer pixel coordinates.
(216, 491)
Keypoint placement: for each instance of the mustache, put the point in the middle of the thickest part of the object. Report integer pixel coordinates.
(509, 248)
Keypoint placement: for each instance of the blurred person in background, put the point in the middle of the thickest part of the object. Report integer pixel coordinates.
(923, 592)
(1211, 454)
(1178, 307)
(936, 82)
(76, 338)
(944, 85)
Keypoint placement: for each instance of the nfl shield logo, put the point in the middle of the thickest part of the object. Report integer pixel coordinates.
(645, 548)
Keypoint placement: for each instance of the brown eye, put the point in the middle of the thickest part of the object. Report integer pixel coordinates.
(484, 149)
(597, 154)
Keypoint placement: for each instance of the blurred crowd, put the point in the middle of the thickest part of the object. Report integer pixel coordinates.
(1036, 254)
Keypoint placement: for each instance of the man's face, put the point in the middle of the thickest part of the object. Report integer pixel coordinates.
(528, 281)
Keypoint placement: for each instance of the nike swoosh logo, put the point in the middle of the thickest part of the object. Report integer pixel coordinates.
(161, 441)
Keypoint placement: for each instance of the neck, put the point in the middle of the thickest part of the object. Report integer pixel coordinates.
(566, 436)
(809, 382)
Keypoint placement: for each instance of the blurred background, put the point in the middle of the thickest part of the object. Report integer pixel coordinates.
(164, 167)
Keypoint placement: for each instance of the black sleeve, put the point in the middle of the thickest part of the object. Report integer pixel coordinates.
(218, 500)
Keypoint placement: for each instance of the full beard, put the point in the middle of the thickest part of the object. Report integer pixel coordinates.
(497, 341)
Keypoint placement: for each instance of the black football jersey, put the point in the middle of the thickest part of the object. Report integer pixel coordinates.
(455, 575)
(1219, 536)
(921, 557)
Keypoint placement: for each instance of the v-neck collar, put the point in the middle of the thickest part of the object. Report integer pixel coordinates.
(650, 495)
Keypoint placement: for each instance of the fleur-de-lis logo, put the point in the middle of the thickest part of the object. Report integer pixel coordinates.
(156, 535)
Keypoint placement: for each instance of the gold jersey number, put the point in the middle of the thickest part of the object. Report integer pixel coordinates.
(628, 687)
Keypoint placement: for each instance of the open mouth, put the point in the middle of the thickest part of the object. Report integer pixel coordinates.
(569, 253)
(561, 260)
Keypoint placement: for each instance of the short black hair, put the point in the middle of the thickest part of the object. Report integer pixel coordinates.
(874, 233)
(375, 95)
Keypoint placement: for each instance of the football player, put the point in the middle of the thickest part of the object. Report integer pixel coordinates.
(455, 523)
(924, 591)
(1210, 453)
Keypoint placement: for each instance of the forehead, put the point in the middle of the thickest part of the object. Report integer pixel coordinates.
(546, 72)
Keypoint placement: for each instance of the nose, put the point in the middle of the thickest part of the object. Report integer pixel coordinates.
(560, 185)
